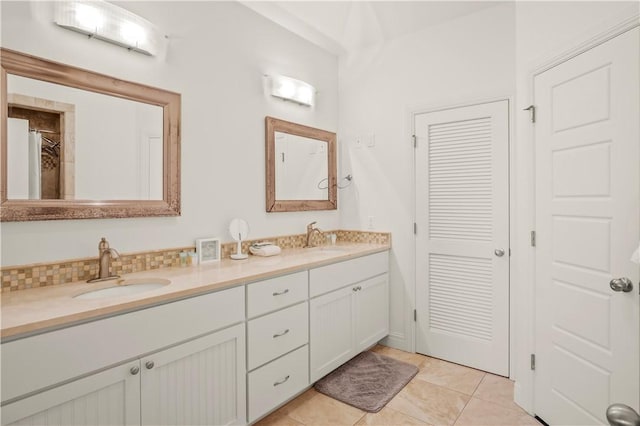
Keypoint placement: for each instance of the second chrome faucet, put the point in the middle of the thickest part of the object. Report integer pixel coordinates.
(310, 231)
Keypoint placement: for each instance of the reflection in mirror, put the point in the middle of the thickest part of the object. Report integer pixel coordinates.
(76, 144)
(300, 166)
(53, 155)
(39, 132)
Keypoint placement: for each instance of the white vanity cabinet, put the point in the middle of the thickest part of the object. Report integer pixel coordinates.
(97, 373)
(347, 320)
(227, 357)
(197, 382)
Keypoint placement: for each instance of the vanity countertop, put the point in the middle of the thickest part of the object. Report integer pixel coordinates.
(36, 310)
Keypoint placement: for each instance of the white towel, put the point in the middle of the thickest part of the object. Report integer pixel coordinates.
(635, 257)
(267, 250)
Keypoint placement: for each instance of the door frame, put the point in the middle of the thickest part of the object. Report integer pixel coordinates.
(460, 103)
(525, 262)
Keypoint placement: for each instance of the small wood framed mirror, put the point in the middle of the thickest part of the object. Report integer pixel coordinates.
(301, 167)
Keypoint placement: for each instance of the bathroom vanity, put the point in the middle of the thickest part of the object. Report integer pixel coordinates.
(222, 344)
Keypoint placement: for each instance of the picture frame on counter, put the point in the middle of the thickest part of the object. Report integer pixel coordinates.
(208, 250)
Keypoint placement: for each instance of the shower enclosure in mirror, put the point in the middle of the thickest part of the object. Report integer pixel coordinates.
(77, 144)
(301, 167)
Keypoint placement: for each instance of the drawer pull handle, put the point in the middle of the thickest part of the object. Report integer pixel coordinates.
(280, 293)
(149, 365)
(281, 334)
(281, 381)
(134, 370)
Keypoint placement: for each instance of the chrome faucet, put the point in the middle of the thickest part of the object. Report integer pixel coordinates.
(310, 231)
(105, 254)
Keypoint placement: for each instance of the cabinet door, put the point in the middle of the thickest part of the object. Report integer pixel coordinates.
(372, 311)
(332, 331)
(111, 397)
(200, 382)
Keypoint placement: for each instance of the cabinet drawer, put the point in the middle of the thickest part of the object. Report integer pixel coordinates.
(331, 277)
(276, 293)
(277, 333)
(278, 381)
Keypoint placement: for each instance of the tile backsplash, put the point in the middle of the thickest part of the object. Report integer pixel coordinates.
(23, 277)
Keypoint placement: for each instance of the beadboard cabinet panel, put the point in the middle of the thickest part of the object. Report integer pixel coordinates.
(201, 382)
(108, 398)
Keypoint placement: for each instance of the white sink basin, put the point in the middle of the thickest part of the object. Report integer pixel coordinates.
(125, 288)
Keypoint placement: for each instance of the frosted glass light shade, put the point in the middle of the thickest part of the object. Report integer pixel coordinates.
(108, 22)
(293, 90)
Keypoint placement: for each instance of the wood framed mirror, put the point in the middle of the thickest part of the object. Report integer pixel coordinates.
(301, 167)
(76, 144)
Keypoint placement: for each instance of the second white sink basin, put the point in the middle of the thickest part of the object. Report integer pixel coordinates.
(125, 288)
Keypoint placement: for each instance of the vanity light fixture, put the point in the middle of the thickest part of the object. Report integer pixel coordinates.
(105, 21)
(290, 89)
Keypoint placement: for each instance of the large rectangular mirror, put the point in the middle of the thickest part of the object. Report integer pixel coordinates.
(78, 144)
(301, 167)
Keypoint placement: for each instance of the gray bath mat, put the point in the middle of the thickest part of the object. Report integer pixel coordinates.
(368, 381)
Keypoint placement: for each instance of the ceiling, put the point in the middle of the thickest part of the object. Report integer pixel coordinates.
(343, 26)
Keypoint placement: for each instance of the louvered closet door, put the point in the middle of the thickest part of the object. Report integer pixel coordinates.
(462, 244)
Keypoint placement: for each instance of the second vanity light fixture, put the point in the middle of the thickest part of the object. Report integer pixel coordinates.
(290, 89)
(105, 21)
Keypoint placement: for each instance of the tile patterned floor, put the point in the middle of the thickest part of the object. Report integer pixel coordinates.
(442, 393)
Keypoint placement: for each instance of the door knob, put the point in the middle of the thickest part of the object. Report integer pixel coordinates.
(622, 415)
(134, 370)
(149, 365)
(499, 252)
(621, 284)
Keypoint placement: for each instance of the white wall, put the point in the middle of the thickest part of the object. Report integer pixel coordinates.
(543, 31)
(217, 54)
(467, 59)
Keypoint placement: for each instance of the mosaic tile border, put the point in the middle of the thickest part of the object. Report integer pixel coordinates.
(22, 277)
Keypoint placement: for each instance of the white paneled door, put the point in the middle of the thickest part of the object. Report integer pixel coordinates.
(462, 241)
(587, 141)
